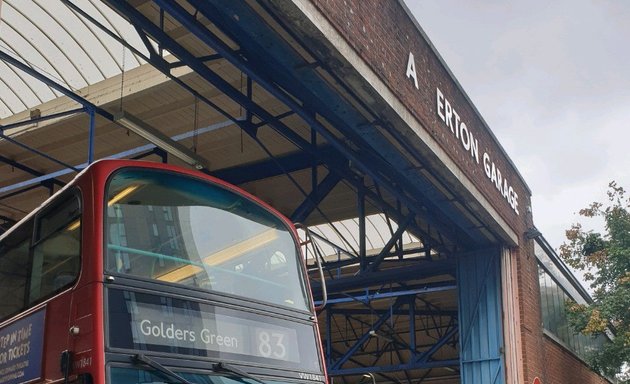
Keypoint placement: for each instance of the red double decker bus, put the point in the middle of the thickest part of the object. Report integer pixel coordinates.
(141, 272)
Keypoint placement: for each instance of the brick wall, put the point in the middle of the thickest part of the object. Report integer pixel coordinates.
(562, 367)
(530, 312)
(383, 35)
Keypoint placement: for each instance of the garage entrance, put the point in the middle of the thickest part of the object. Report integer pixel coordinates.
(274, 97)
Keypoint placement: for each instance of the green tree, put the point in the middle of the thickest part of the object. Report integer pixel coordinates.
(605, 259)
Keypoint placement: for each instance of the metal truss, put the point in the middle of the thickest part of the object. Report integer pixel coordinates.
(375, 167)
(367, 344)
(246, 59)
(353, 151)
(316, 155)
(87, 107)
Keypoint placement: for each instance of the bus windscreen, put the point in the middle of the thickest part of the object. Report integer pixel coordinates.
(178, 229)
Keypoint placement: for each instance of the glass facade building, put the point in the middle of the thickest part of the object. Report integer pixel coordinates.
(556, 289)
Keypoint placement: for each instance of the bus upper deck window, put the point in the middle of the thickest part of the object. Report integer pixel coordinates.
(56, 250)
(14, 260)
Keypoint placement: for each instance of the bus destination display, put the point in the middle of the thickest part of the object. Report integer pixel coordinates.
(217, 333)
(163, 324)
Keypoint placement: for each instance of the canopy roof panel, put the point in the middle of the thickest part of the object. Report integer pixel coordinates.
(265, 110)
(50, 37)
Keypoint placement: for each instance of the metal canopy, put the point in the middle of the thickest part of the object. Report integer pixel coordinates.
(233, 84)
(62, 45)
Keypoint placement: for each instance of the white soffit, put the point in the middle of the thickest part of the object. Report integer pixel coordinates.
(51, 38)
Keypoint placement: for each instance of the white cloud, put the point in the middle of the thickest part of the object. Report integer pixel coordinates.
(552, 81)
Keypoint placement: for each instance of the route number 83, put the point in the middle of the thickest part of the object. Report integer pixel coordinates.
(271, 344)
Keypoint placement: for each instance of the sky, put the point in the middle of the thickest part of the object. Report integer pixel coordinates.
(552, 80)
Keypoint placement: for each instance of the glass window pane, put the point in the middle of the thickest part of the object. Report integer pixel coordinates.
(543, 297)
(563, 325)
(201, 235)
(14, 260)
(555, 317)
(56, 255)
(551, 304)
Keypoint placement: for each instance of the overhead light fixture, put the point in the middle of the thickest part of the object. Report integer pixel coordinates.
(158, 138)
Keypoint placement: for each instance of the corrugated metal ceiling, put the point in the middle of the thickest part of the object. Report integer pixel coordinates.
(49, 36)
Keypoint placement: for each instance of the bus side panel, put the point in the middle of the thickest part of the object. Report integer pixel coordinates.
(56, 335)
(85, 322)
(86, 344)
(89, 300)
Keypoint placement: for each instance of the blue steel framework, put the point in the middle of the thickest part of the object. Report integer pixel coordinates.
(357, 151)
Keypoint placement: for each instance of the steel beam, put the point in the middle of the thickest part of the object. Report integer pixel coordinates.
(426, 355)
(368, 297)
(120, 155)
(53, 84)
(388, 276)
(40, 153)
(419, 359)
(40, 119)
(399, 137)
(353, 257)
(235, 94)
(392, 241)
(307, 86)
(27, 169)
(356, 362)
(400, 312)
(292, 162)
(362, 234)
(398, 254)
(360, 161)
(413, 312)
(316, 197)
(393, 368)
(267, 119)
(377, 324)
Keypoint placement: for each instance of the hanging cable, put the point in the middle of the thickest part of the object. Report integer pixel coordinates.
(196, 126)
(240, 112)
(122, 80)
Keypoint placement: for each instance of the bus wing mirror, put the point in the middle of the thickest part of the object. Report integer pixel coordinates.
(310, 240)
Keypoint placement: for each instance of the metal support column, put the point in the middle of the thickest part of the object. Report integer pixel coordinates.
(91, 113)
(362, 234)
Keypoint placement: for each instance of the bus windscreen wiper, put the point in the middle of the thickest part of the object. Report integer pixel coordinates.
(240, 373)
(139, 358)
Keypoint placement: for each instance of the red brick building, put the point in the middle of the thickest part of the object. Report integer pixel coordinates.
(383, 41)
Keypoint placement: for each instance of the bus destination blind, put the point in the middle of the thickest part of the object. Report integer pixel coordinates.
(161, 324)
